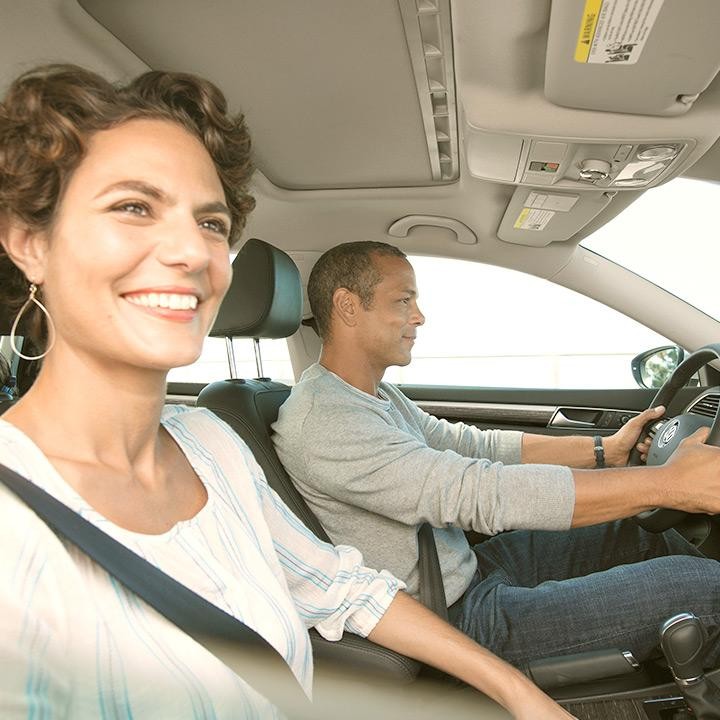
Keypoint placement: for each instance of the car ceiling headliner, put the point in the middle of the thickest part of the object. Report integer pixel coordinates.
(328, 91)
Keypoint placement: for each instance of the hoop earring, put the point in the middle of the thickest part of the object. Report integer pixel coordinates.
(51, 326)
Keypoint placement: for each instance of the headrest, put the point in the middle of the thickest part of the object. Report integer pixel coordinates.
(265, 297)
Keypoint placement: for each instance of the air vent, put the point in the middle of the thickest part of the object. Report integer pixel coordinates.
(707, 405)
(429, 39)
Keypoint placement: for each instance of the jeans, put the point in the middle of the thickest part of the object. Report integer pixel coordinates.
(539, 593)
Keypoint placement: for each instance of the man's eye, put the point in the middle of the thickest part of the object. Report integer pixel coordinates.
(216, 225)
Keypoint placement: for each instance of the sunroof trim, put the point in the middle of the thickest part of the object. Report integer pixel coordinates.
(428, 32)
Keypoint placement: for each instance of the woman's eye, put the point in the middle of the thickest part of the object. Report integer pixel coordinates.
(133, 208)
(216, 225)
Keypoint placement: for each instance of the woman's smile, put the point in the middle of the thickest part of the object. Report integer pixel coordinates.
(170, 304)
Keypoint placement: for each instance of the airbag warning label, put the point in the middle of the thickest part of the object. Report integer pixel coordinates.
(615, 31)
(533, 219)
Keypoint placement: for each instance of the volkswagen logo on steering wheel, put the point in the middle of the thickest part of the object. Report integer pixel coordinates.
(668, 434)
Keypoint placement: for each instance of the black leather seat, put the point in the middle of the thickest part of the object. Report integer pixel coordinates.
(265, 301)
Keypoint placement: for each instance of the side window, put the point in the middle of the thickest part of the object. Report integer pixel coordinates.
(213, 363)
(488, 326)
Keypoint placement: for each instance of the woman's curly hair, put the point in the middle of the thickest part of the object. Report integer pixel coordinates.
(48, 116)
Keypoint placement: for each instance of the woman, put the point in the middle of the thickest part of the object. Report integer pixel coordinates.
(117, 207)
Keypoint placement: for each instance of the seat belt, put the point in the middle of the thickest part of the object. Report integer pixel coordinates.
(431, 589)
(260, 665)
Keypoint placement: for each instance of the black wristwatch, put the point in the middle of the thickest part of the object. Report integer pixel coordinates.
(599, 452)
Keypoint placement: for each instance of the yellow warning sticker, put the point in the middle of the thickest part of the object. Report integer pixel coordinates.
(615, 31)
(587, 29)
(533, 219)
(521, 218)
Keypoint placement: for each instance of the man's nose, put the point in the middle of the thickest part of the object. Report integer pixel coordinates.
(418, 317)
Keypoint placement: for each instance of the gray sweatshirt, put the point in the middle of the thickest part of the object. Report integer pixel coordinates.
(374, 468)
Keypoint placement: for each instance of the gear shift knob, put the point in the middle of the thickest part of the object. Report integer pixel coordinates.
(682, 638)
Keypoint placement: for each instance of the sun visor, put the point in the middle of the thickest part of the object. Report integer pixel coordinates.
(650, 57)
(538, 217)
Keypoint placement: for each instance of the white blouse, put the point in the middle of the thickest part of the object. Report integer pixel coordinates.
(75, 644)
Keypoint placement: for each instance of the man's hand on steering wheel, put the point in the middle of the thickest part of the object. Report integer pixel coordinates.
(685, 453)
(695, 490)
(619, 445)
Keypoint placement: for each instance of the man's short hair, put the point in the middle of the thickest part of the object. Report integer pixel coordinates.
(350, 266)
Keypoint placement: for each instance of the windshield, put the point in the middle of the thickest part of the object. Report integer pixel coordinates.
(669, 236)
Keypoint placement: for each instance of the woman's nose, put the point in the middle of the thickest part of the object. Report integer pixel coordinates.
(184, 245)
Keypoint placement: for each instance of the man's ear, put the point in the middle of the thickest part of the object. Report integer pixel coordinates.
(27, 249)
(346, 305)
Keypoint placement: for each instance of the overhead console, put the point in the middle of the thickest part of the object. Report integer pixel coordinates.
(577, 164)
(564, 184)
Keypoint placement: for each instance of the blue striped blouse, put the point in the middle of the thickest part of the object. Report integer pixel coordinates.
(75, 644)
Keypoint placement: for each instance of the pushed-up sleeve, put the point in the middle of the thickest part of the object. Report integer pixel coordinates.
(362, 458)
(331, 588)
(496, 445)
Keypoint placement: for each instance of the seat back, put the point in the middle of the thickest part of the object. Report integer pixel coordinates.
(264, 301)
(250, 407)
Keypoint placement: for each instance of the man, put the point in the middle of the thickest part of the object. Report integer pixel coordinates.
(373, 467)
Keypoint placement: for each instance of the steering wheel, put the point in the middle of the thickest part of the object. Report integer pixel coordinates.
(670, 434)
